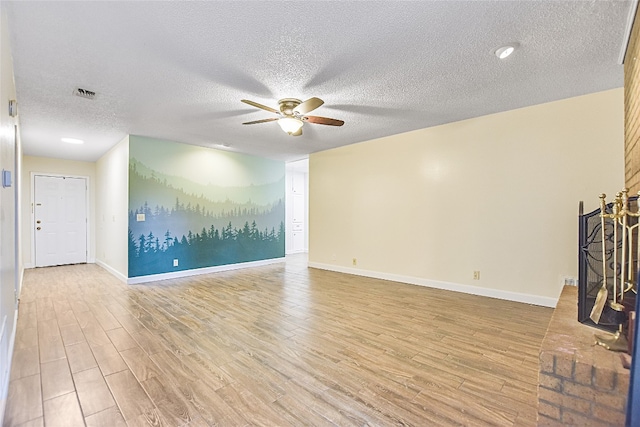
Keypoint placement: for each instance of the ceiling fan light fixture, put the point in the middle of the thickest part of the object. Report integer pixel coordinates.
(290, 125)
(504, 51)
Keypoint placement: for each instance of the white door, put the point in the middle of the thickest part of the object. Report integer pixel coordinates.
(298, 213)
(60, 226)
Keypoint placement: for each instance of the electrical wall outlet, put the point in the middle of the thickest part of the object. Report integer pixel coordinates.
(355, 261)
(175, 262)
(476, 275)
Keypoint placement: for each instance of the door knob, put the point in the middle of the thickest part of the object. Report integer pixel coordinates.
(38, 228)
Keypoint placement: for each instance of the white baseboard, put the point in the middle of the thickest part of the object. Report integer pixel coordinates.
(197, 271)
(20, 282)
(112, 270)
(32, 265)
(4, 376)
(456, 287)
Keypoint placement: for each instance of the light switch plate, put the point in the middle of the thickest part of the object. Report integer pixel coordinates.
(13, 108)
(6, 178)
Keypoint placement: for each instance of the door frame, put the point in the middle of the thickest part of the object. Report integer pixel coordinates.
(17, 188)
(32, 223)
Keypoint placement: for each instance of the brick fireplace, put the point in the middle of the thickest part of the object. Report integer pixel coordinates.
(579, 383)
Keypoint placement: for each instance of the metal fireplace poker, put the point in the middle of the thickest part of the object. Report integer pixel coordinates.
(623, 260)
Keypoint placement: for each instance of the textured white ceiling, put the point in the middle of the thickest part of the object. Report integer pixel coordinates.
(178, 70)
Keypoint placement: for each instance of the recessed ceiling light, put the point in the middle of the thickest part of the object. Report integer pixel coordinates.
(505, 51)
(72, 140)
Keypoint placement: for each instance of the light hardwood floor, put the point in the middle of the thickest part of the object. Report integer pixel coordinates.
(276, 345)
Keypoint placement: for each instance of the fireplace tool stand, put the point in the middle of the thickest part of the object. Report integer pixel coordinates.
(624, 258)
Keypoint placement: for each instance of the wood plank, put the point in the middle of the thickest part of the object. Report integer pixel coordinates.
(147, 341)
(300, 402)
(151, 417)
(464, 412)
(129, 394)
(93, 332)
(211, 407)
(121, 339)
(66, 317)
(28, 306)
(177, 370)
(24, 402)
(140, 364)
(105, 318)
(80, 357)
(197, 422)
(26, 337)
(296, 414)
(93, 393)
(63, 411)
(72, 334)
(50, 342)
(56, 379)
(38, 422)
(108, 358)
(244, 379)
(255, 410)
(110, 417)
(26, 362)
(206, 369)
(45, 310)
(171, 405)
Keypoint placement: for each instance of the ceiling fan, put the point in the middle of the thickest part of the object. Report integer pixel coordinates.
(292, 116)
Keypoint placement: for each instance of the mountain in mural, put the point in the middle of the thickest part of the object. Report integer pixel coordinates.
(178, 224)
(261, 194)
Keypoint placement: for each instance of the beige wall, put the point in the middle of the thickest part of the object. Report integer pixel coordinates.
(498, 194)
(112, 205)
(44, 165)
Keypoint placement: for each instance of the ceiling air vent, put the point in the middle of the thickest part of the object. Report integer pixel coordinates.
(84, 93)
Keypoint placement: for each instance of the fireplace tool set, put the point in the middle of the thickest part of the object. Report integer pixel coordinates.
(619, 265)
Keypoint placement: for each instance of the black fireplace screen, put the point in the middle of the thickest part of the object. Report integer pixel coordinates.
(590, 277)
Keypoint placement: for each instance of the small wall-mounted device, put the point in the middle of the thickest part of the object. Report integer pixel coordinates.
(6, 178)
(13, 108)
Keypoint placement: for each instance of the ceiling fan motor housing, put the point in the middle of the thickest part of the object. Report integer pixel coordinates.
(288, 105)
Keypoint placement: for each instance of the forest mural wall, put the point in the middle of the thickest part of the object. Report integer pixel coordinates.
(201, 207)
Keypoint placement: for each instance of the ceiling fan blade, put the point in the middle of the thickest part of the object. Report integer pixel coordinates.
(308, 105)
(255, 104)
(260, 121)
(323, 120)
(297, 133)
